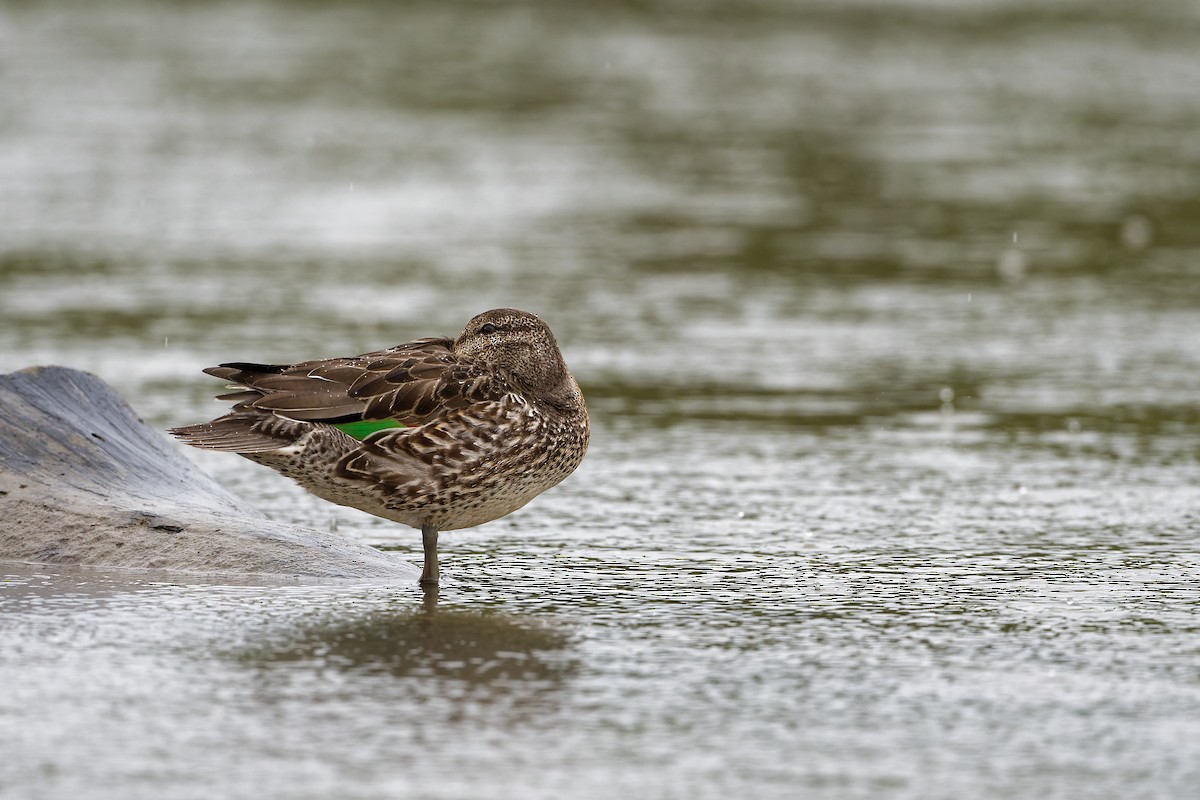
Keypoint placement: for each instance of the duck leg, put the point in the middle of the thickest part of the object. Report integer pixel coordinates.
(429, 538)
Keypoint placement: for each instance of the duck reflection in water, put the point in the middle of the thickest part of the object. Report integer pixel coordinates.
(475, 646)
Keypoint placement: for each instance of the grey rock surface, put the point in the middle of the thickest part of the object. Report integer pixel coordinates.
(84, 481)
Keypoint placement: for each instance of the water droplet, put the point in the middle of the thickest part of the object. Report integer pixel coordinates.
(946, 394)
(1012, 265)
(1137, 232)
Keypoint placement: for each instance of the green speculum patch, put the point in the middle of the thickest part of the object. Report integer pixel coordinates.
(363, 428)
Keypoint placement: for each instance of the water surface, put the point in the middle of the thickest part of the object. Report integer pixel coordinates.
(886, 313)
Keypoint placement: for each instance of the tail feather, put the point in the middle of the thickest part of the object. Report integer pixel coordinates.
(240, 396)
(238, 371)
(243, 433)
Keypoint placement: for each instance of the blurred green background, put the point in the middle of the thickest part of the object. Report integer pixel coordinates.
(873, 196)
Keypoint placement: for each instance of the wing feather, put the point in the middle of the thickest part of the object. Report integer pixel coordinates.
(413, 383)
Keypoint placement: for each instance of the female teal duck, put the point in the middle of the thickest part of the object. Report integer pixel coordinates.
(438, 434)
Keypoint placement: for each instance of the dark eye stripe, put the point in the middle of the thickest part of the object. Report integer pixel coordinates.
(488, 328)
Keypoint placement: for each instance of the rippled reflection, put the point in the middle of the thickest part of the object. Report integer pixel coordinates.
(476, 647)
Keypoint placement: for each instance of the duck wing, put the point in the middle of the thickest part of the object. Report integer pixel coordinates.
(410, 383)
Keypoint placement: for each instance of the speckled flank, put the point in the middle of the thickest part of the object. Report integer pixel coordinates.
(466, 469)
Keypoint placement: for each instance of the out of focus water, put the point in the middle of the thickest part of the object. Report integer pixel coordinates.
(888, 315)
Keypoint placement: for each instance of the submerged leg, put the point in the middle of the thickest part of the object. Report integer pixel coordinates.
(429, 537)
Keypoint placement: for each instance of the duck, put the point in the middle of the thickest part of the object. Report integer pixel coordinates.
(438, 434)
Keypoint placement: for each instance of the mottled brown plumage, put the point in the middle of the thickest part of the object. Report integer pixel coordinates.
(494, 418)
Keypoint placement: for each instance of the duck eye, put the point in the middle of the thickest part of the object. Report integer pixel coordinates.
(488, 328)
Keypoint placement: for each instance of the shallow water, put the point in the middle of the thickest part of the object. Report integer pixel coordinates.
(886, 314)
